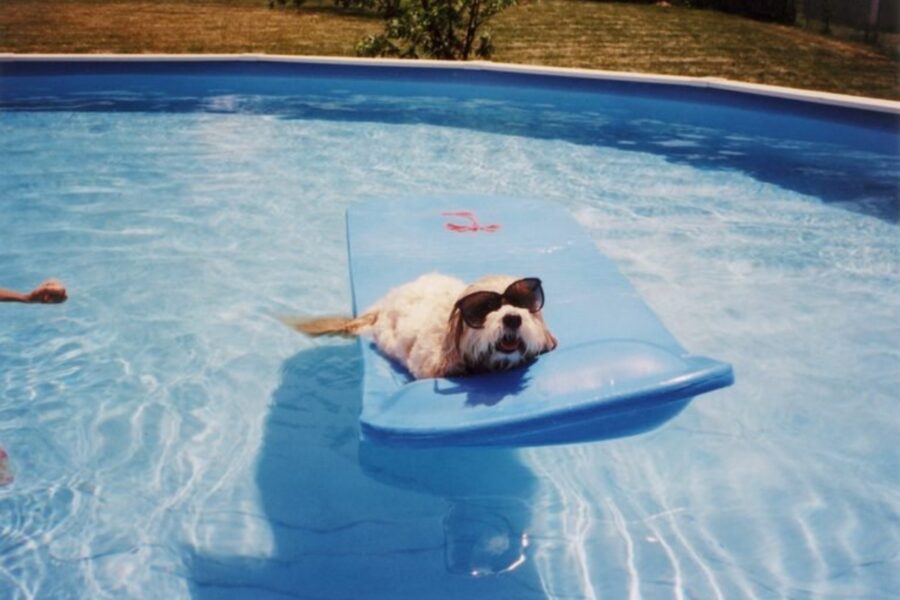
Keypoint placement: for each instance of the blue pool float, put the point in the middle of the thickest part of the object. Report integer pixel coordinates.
(617, 370)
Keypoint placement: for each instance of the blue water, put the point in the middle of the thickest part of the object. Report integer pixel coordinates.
(171, 439)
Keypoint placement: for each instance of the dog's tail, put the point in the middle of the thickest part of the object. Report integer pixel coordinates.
(345, 326)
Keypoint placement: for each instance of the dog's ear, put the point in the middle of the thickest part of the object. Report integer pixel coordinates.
(451, 362)
(550, 341)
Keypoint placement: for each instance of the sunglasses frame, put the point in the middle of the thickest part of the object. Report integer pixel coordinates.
(535, 286)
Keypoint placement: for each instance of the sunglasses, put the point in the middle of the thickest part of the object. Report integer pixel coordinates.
(525, 293)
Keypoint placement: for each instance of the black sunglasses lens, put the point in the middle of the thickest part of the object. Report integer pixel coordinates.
(476, 307)
(527, 294)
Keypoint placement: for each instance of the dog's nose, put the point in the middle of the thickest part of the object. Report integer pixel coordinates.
(512, 321)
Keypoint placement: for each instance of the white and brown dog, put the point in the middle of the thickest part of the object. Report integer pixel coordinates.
(436, 326)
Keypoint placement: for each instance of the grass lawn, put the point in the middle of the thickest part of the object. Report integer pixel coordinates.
(568, 33)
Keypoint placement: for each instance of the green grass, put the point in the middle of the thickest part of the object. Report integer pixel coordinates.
(680, 41)
(567, 33)
(178, 26)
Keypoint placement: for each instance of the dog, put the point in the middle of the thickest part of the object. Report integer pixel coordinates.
(437, 326)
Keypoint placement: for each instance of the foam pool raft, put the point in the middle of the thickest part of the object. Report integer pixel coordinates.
(617, 370)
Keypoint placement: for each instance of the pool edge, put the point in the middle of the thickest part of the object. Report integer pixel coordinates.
(713, 83)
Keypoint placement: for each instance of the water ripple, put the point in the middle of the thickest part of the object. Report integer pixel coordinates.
(135, 414)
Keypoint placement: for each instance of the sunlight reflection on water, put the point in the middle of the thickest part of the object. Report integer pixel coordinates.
(170, 438)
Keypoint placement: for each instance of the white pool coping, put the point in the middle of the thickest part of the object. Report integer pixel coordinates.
(714, 83)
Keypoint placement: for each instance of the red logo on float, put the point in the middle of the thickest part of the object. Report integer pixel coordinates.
(470, 226)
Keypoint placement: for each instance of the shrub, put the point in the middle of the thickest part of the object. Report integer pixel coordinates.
(385, 8)
(283, 3)
(444, 29)
(782, 11)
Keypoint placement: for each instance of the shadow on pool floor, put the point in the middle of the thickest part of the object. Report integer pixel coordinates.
(360, 521)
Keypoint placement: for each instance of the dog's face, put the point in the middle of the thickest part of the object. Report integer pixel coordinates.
(504, 337)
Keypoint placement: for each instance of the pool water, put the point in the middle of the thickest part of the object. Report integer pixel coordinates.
(170, 438)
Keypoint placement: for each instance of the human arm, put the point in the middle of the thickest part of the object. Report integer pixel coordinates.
(48, 292)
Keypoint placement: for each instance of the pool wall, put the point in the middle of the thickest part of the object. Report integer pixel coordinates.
(688, 88)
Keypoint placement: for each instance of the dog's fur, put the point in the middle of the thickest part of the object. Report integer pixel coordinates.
(416, 324)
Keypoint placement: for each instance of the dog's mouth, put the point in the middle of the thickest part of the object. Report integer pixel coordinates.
(509, 343)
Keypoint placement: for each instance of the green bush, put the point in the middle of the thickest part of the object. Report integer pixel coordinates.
(284, 3)
(385, 8)
(443, 29)
(782, 11)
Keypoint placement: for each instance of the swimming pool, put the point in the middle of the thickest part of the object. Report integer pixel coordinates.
(172, 439)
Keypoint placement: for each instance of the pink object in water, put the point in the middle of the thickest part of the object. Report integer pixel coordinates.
(6, 475)
(471, 225)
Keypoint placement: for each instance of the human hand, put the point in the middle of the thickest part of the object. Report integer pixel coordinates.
(51, 291)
